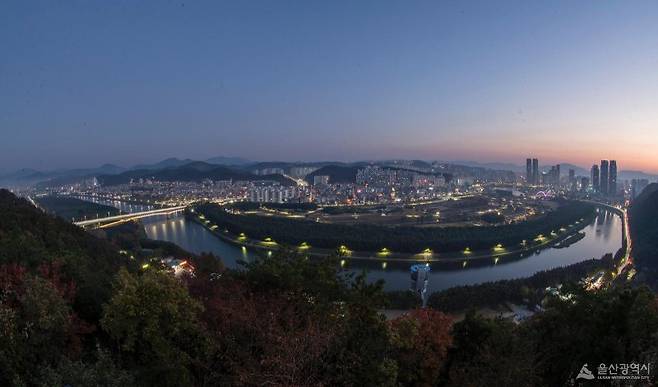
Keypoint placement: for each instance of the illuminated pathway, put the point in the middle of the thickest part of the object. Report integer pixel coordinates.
(497, 252)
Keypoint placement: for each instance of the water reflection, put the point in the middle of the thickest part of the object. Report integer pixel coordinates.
(602, 236)
(194, 238)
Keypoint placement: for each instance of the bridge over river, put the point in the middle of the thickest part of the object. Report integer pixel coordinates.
(118, 219)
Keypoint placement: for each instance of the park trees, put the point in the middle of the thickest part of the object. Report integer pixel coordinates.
(155, 327)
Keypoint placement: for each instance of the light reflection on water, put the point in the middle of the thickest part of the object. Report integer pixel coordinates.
(602, 236)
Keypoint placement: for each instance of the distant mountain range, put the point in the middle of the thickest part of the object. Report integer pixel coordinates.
(193, 171)
(564, 167)
(174, 162)
(340, 171)
(29, 176)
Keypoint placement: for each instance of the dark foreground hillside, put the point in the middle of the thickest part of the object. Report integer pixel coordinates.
(32, 239)
(74, 312)
(643, 221)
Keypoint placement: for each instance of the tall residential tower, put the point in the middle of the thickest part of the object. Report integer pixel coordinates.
(528, 171)
(612, 184)
(605, 176)
(596, 186)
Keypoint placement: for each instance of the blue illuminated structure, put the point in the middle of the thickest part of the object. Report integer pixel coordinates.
(419, 278)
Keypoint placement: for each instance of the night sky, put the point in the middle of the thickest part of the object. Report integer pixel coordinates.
(84, 83)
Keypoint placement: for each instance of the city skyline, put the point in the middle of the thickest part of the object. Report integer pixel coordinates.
(313, 193)
(85, 84)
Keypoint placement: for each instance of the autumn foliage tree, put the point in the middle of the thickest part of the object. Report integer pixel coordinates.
(420, 342)
(38, 327)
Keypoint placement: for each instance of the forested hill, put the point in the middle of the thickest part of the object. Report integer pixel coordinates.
(195, 171)
(643, 221)
(283, 321)
(337, 174)
(32, 238)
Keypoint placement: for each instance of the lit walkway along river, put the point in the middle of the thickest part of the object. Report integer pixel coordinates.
(602, 236)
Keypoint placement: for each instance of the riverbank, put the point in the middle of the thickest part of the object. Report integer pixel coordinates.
(497, 252)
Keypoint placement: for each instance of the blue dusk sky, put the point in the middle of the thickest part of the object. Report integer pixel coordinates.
(84, 83)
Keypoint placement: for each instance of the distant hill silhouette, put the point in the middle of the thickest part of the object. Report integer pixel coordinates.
(336, 173)
(193, 171)
(221, 160)
(643, 223)
(166, 163)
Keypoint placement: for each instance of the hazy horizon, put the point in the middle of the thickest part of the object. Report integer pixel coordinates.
(519, 164)
(88, 83)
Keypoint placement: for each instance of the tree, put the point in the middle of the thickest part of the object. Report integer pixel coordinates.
(361, 355)
(155, 325)
(593, 327)
(102, 373)
(37, 325)
(489, 352)
(290, 272)
(421, 340)
(262, 338)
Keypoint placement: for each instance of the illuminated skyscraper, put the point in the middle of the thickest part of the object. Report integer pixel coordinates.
(528, 171)
(612, 185)
(557, 175)
(595, 178)
(605, 176)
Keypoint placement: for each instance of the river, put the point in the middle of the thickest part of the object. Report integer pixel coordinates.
(603, 235)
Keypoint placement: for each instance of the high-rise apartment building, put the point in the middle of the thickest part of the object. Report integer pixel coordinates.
(612, 182)
(528, 171)
(596, 186)
(605, 177)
